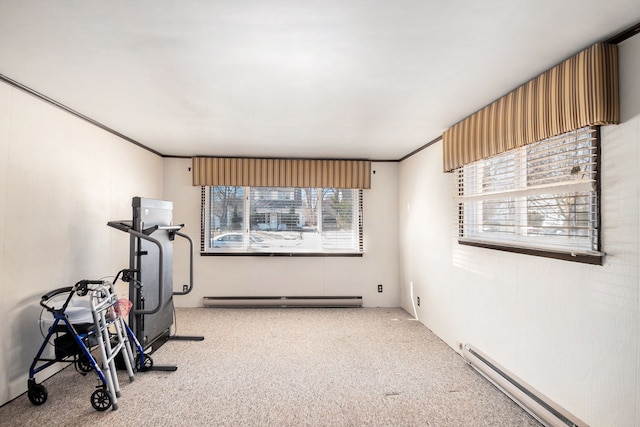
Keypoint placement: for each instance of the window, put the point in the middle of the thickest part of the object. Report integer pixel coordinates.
(276, 220)
(542, 197)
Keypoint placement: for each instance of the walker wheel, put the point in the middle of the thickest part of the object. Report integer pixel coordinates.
(100, 400)
(37, 394)
(83, 364)
(148, 363)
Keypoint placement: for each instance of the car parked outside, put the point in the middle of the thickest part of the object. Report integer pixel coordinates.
(235, 240)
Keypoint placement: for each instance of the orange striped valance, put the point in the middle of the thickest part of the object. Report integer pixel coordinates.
(281, 172)
(581, 91)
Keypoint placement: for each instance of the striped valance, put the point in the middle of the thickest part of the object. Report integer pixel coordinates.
(281, 172)
(581, 91)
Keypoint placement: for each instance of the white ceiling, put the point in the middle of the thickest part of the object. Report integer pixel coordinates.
(372, 79)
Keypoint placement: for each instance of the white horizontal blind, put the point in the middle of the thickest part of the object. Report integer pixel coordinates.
(283, 219)
(543, 196)
(340, 228)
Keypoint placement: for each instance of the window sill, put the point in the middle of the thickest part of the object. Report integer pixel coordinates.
(284, 254)
(594, 259)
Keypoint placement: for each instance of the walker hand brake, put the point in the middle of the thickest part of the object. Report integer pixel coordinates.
(82, 287)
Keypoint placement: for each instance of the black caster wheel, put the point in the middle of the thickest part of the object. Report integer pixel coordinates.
(101, 400)
(83, 364)
(148, 363)
(37, 393)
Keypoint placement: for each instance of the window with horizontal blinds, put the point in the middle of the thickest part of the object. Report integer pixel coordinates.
(282, 220)
(541, 196)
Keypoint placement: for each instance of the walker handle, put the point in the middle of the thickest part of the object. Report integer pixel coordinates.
(55, 292)
(52, 294)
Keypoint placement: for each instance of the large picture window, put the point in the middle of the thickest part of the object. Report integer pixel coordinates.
(542, 198)
(281, 220)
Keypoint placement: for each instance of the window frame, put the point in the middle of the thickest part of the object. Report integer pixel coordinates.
(206, 250)
(594, 257)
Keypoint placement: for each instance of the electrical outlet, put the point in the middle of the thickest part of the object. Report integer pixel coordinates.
(379, 288)
(418, 299)
(184, 288)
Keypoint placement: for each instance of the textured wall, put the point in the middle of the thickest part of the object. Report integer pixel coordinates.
(61, 180)
(570, 330)
(297, 276)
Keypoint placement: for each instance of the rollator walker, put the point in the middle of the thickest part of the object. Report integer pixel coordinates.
(90, 316)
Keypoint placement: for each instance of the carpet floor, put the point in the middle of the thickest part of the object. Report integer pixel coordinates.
(287, 367)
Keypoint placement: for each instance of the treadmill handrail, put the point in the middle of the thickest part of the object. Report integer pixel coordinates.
(160, 273)
(122, 225)
(190, 287)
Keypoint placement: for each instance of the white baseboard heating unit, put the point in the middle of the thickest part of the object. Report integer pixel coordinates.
(287, 301)
(532, 401)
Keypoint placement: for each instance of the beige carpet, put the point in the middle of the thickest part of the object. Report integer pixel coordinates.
(287, 367)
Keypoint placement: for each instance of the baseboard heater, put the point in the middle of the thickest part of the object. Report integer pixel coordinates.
(532, 401)
(286, 301)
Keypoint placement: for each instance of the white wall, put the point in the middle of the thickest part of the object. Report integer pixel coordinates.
(61, 180)
(570, 330)
(299, 276)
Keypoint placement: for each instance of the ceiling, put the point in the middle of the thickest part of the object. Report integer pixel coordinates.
(366, 79)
